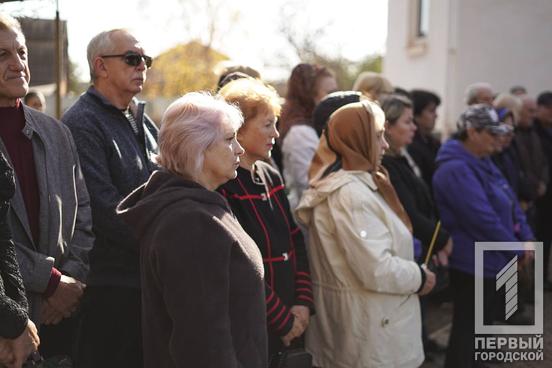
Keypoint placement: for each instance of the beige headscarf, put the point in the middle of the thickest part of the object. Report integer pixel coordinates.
(351, 137)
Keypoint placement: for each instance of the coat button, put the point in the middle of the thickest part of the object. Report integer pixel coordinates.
(384, 322)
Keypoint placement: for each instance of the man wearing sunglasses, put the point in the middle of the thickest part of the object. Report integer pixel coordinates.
(116, 143)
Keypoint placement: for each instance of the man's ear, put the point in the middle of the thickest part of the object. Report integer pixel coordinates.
(100, 69)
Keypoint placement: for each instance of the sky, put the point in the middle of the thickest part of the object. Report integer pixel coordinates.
(248, 31)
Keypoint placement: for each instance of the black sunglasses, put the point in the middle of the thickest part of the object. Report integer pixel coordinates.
(133, 58)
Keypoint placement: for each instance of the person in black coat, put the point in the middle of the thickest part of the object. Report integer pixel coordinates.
(542, 126)
(424, 145)
(18, 334)
(258, 199)
(411, 188)
(532, 159)
(406, 176)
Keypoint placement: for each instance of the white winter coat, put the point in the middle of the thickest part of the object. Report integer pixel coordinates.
(364, 277)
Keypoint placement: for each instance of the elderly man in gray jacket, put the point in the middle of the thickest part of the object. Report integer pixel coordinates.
(50, 212)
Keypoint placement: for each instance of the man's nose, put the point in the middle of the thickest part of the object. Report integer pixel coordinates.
(18, 64)
(142, 65)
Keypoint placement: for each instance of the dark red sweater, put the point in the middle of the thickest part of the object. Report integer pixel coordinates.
(20, 151)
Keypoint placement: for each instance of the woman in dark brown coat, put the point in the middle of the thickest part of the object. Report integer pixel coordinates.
(202, 275)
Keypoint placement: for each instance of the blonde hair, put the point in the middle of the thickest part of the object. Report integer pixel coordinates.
(189, 126)
(252, 97)
(509, 102)
(372, 85)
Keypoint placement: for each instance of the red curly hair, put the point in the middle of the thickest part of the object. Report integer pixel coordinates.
(302, 87)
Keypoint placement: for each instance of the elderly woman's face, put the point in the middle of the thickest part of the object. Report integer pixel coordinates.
(257, 136)
(484, 141)
(222, 158)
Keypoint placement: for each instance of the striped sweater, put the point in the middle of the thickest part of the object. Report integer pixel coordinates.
(259, 202)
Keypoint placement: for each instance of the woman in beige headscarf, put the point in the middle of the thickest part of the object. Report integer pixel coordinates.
(361, 251)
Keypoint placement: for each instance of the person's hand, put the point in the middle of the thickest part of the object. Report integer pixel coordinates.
(542, 189)
(302, 313)
(24, 345)
(296, 331)
(528, 255)
(429, 281)
(67, 296)
(6, 354)
(448, 247)
(49, 315)
(441, 258)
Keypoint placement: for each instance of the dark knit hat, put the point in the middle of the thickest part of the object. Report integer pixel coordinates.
(229, 78)
(328, 105)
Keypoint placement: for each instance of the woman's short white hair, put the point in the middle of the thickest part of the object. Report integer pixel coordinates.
(473, 90)
(189, 126)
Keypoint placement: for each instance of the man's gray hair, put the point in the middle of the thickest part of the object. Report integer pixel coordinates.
(473, 89)
(7, 22)
(101, 44)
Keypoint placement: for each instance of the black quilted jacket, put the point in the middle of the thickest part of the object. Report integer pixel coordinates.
(13, 303)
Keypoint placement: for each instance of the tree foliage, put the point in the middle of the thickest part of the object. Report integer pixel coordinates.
(307, 44)
(184, 68)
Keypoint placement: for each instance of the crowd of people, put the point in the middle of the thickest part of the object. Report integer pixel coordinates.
(246, 232)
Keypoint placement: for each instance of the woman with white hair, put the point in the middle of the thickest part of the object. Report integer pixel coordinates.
(202, 275)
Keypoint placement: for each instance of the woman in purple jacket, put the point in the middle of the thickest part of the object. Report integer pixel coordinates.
(476, 204)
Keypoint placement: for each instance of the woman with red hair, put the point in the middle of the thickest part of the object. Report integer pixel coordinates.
(307, 85)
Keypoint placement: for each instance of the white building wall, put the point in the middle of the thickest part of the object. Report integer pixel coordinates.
(423, 66)
(503, 42)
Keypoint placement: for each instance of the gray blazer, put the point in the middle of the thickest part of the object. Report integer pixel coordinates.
(65, 220)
